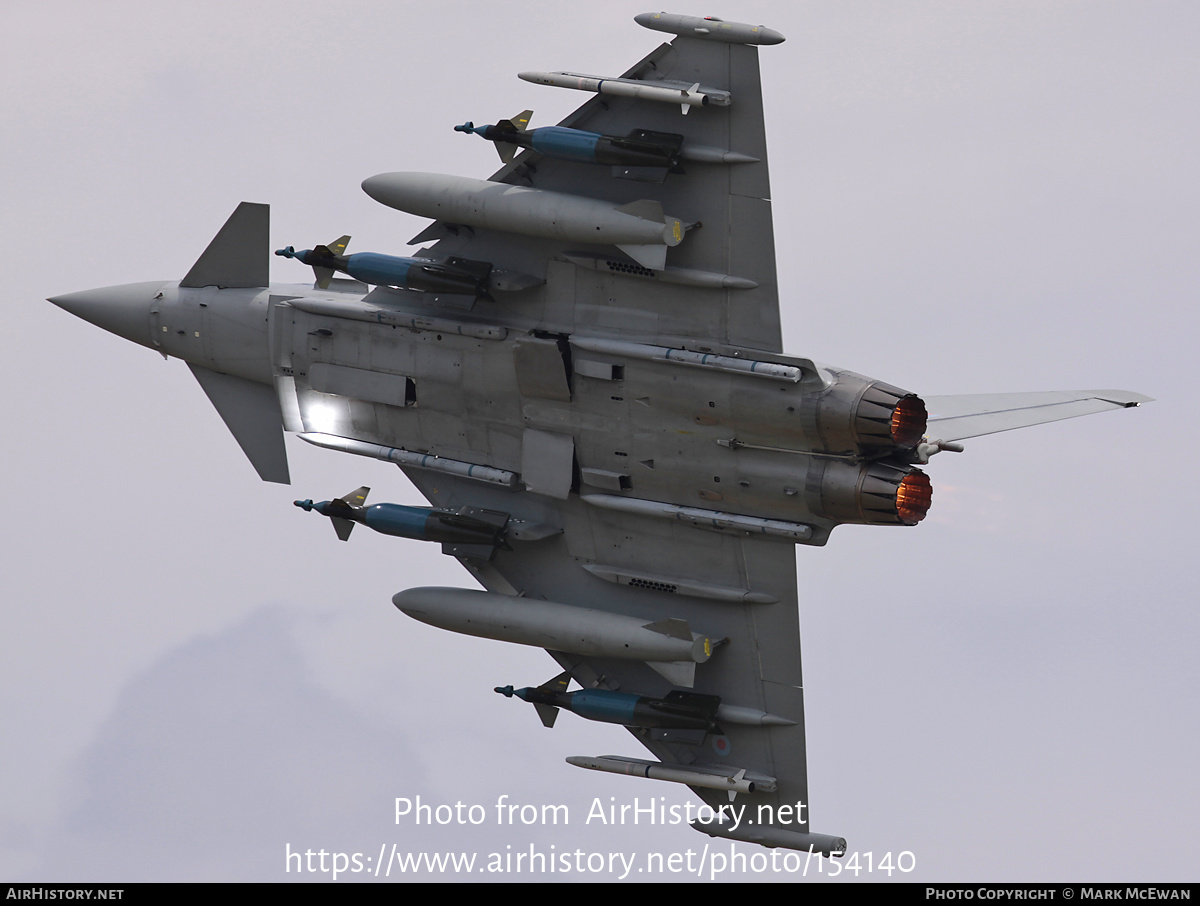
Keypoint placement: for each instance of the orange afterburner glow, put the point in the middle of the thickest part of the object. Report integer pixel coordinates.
(913, 497)
(909, 419)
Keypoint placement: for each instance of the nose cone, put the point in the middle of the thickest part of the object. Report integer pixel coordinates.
(123, 310)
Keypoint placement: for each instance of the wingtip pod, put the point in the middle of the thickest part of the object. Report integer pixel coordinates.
(709, 28)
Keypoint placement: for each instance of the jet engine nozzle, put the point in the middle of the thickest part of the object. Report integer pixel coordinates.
(868, 418)
(874, 493)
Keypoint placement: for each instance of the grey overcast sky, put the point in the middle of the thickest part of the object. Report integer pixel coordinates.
(968, 197)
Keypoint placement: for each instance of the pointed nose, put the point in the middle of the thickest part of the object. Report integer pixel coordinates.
(123, 310)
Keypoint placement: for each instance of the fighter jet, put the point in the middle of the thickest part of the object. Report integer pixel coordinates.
(615, 445)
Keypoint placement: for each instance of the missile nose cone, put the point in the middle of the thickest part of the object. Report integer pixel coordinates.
(506, 691)
(123, 310)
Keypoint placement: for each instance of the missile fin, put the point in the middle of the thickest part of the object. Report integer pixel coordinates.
(678, 673)
(558, 684)
(548, 714)
(674, 627)
(521, 120)
(338, 246)
(324, 276)
(737, 777)
(343, 527)
(358, 497)
(506, 150)
(651, 257)
(645, 209)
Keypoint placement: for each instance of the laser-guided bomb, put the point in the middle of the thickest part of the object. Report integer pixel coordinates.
(676, 711)
(469, 532)
(641, 154)
(453, 275)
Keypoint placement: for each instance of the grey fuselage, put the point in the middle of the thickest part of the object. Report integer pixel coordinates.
(686, 433)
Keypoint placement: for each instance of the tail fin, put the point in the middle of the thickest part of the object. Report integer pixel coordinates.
(549, 713)
(357, 497)
(338, 246)
(342, 526)
(239, 255)
(518, 123)
(508, 150)
(558, 684)
(324, 275)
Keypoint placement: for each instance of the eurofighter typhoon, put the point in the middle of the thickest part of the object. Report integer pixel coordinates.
(582, 370)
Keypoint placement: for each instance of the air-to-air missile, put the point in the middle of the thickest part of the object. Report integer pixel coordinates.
(640, 228)
(459, 276)
(469, 532)
(667, 91)
(676, 711)
(732, 780)
(669, 646)
(642, 154)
